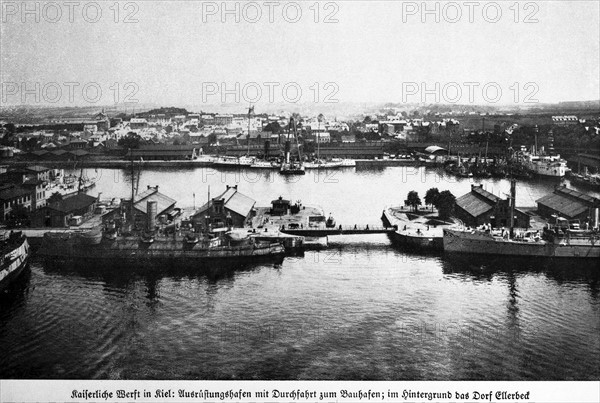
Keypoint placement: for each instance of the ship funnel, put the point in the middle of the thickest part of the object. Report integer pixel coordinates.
(151, 212)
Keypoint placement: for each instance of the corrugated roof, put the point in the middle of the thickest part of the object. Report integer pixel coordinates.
(473, 204)
(563, 204)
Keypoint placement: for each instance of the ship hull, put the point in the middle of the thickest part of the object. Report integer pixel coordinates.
(12, 270)
(468, 242)
(417, 242)
(160, 253)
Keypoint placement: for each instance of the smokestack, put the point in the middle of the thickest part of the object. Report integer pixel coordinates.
(151, 211)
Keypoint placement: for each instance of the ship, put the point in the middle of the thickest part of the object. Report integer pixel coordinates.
(156, 245)
(538, 162)
(261, 164)
(150, 244)
(242, 161)
(101, 248)
(67, 185)
(585, 178)
(14, 254)
(544, 165)
(554, 241)
(550, 243)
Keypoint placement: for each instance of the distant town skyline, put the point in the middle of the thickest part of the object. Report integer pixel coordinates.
(195, 53)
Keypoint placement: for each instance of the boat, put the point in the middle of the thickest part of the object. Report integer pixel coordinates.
(260, 164)
(323, 164)
(156, 247)
(344, 162)
(528, 243)
(14, 254)
(585, 180)
(292, 168)
(68, 185)
(553, 241)
(414, 238)
(544, 165)
(458, 169)
(234, 161)
(538, 162)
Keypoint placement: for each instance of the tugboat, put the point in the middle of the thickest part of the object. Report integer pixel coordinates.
(14, 253)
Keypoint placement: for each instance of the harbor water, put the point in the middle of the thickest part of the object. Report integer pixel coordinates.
(361, 309)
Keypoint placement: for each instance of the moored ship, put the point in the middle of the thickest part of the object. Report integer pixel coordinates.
(556, 240)
(544, 165)
(156, 246)
(547, 244)
(538, 162)
(14, 254)
(147, 249)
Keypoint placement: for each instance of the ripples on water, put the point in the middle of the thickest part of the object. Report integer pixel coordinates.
(359, 310)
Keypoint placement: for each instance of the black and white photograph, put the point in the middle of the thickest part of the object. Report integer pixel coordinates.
(299, 201)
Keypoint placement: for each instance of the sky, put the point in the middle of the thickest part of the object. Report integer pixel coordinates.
(196, 53)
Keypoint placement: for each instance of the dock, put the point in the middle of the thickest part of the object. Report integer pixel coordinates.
(339, 230)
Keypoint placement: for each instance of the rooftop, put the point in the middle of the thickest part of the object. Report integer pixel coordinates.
(234, 201)
(73, 203)
(152, 194)
(13, 192)
(477, 201)
(568, 202)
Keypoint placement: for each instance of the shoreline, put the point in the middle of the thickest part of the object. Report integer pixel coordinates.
(188, 163)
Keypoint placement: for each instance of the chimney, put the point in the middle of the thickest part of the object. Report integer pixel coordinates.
(151, 212)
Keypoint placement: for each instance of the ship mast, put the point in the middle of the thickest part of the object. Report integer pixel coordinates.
(132, 186)
(513, 186)
(297, 144)
(250, 112)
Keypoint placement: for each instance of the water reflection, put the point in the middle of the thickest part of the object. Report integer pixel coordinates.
(487, 267)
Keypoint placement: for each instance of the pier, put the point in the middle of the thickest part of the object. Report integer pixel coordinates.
(340, 230)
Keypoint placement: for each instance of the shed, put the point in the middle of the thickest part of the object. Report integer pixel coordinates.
(567, 203)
